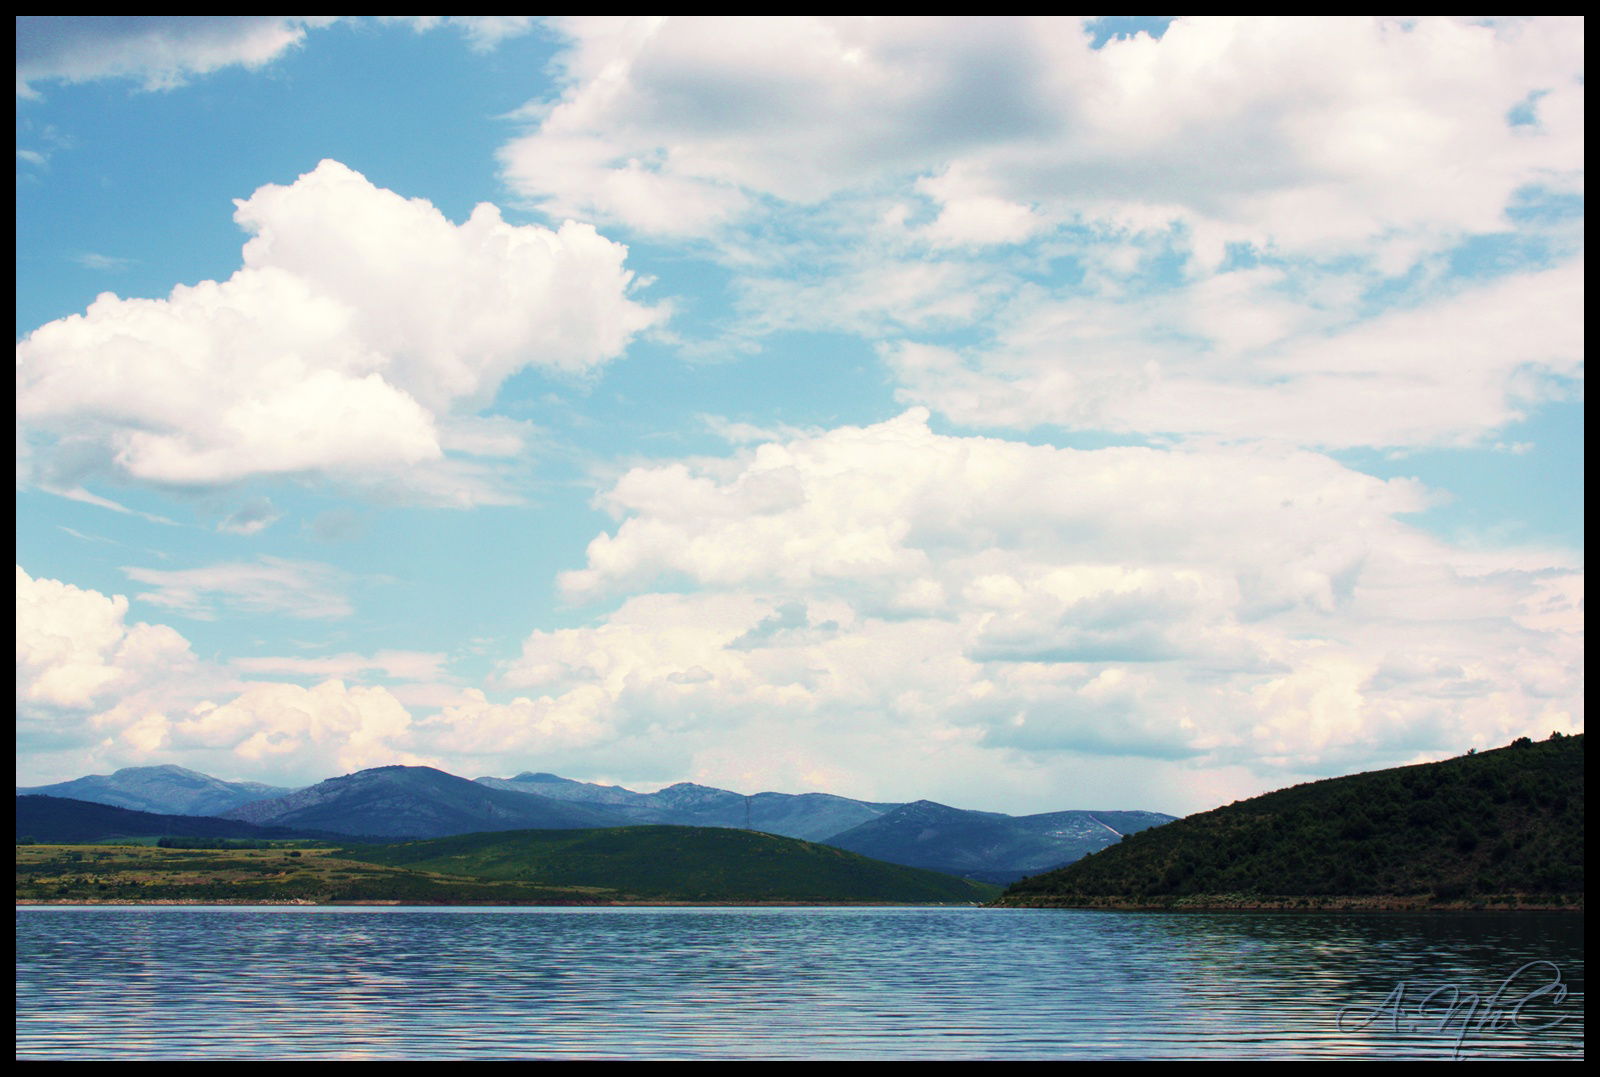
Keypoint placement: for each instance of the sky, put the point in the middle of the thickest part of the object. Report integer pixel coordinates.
(1022, 414)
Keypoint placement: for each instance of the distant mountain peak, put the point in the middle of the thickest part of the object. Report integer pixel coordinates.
(416, 802)
(164, 789)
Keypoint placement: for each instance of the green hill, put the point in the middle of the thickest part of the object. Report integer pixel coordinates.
(1495, 828)
(675, 863)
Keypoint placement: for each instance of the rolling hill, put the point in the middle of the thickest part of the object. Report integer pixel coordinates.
(421, 802)
(64, 820)
(1500, 828)
(986, 845)
(672, 863)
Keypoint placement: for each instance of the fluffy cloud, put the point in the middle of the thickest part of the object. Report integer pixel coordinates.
(92, 686)
(75, 647)
(892, 594)
(94, 690)
(359, 325)
(162, 51)
(1346, 128)
(287, 729)
(1248, 228)
(1236, 357)
(912, 519)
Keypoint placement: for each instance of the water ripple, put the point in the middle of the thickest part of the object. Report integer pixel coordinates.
(386, 983)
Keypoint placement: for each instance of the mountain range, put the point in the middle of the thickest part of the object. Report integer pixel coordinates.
(992, 848)
(164, 790)
(422, 802)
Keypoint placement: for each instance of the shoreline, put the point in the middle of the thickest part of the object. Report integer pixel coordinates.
(22, 903)
(1333, 903)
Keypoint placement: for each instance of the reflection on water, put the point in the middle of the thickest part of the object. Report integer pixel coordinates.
(789, 983)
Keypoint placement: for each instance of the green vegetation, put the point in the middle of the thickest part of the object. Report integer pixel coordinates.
(678, 863)
(559, 867)
(125, 874)
(63, 821)
(1501, 828)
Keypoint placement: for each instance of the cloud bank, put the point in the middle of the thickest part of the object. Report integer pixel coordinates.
(1249, 228)
(94, 690)
(1305, 134)
(995, 607)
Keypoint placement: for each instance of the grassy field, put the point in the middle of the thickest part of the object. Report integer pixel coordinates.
(716, 864)
(633, 865)
(106, 874)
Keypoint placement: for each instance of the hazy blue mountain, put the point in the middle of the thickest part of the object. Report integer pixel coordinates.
(167, 790)
(990, 846)
(808, 816)
(987, 845)
(1102, 827)
(419, 802)
(558, 788)
(811, 816)
(62, 820)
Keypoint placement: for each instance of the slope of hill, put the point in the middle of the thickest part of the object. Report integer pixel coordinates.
(417, 802)
(1500, 827)
(558, 788)
(672, 863)
(809, 816)
(987, 845)
(812, 816)
(63, 820)
(165, 790)
(991, 846)
(420, 802)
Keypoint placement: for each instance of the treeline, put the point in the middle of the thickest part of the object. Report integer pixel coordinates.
(220, 843)
(1499, 827)
(103, 874)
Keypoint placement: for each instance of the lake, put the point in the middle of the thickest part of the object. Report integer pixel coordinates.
(184, 982)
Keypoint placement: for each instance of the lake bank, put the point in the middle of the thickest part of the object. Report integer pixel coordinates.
(1325, 903)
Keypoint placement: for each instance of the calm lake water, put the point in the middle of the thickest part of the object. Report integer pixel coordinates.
(385, 983)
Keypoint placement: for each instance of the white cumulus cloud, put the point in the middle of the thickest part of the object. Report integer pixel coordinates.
(1345, 129)
(1234, 357)
(96, 690)
(75, 647)
(1029, 609)
(285, 728)
(360, 323)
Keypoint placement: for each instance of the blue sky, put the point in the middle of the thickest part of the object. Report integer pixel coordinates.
(1021, 414)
